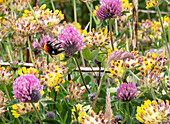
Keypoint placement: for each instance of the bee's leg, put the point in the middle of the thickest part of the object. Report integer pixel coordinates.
(56, 51)
(56, 44)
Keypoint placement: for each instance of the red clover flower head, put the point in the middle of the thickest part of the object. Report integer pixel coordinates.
(27, 88)
(126, 92)
(102, 13)
(109, 9)
(71, 41)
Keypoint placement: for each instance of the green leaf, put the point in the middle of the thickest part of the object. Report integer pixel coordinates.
(86, 53)
(48, 102)
(65, 118)
(87, 79)
(58, 107)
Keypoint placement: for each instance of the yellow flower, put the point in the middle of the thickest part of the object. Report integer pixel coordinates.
(99, 38)
(118, 70)
(15, 114)
(152, 3)
(57, 88)
(94, 12)
(153, 112)
(3, 1)
(52, 76)
(30, 70)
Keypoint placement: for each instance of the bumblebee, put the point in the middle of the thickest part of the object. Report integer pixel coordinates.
(52, 50)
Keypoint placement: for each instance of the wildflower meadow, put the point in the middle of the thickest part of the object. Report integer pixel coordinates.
(84, 61)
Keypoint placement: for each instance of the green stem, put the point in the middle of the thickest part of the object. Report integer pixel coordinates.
(130, 29)
(32, 11)
(163, 85)
(12, 8)
(10, 57)
(163, 31)
(134, 75)
(90, 9)
(116, 28)
(143, 93)
(2, 55)
(6, 91)
(58, 59)
(128, 112)
(3, 120)
(23, 121)
(152, 93)
(75, 13)
(169, 32)
(9, 51)
(110, 29)
(120, 105)
(127, 44)
(53, 5)
(21, 55)
(36, 111)
(93, 84)
(63, 89)
(30, 51)
(18, 121)
(91, 15)
(98, 90)
(81, 75)
(82, 58)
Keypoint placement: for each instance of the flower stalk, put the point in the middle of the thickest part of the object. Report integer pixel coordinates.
(75, 13)
(32, 11)
(98, 90)
(6, 91)
(52, 5)
(21, 55)
(152, 93)
(163, 31)
(30, 51)
(90, 9)
(128, 112)
(9, 51)
(2, 55)
(81, 75)
(91, 14)
(36, 111)
(110, 29)
(116, 27)
(19, 122)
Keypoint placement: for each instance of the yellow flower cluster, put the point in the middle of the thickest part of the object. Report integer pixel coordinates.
(154, 27)
(81, 112)
(45, 17)
(3, 1)
(52, 76)
(155, 60)
(30, 70)
(126, 6)
(152, 3)
(153, 112)
(117, 69)
(22, 108)
(99, 38)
